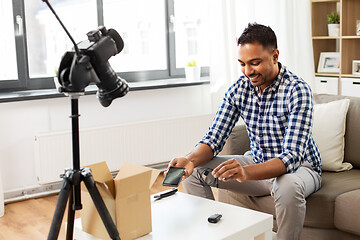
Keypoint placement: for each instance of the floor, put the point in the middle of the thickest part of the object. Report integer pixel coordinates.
(31, 219)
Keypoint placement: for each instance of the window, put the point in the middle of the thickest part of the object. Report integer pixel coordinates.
(143, 21)
(46, 41)
(160, 36)
(8, 69)
(191, 32)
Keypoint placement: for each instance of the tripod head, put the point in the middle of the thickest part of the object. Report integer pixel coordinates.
(88, 63)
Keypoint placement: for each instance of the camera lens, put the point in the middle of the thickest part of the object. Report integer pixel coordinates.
(111, 85)
(106, 97)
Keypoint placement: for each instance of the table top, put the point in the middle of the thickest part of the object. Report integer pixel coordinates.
(183, 216)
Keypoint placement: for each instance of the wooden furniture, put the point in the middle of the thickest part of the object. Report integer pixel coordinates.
(347, 43)
(183, 216)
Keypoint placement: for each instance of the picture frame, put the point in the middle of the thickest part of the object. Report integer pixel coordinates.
(329, 62)
(356, 67)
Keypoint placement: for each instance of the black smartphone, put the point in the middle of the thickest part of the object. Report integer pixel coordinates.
(173, 177)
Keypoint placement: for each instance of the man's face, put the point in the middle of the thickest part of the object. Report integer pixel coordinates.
(258, 64)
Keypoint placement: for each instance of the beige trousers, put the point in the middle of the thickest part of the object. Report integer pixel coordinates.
(289, 192)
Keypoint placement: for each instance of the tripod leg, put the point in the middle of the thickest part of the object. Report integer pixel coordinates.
(101, 207)
(74, 203)
(71, 217)
(60, 209)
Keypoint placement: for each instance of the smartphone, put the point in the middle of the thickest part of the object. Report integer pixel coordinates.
(173, 177)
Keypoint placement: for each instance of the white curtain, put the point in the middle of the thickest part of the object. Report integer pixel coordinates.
(223, 53)
(291, 22)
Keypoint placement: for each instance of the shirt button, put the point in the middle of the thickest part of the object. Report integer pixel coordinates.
(260, 135)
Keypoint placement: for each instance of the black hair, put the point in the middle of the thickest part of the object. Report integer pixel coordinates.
(258, 33)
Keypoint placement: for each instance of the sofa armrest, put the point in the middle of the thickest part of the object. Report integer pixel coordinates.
(238, 142)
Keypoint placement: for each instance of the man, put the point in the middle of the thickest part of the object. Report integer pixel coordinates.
(277, 109)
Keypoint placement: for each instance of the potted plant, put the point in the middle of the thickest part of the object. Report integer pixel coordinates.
(333, 21)
(192, 71)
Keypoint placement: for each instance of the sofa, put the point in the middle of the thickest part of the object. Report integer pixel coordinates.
(333, 212)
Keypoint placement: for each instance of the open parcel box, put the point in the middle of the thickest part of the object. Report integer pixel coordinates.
(127, 198)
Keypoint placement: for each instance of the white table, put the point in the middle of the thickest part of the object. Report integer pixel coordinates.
(183, 216)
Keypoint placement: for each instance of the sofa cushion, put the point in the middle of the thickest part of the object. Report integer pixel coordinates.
(238, 142)
(320, 205)
(352, 133)
(347, 212)
(309, 233)
(329, 131)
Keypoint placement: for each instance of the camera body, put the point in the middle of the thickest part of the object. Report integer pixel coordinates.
(90, 64)
(100, 46)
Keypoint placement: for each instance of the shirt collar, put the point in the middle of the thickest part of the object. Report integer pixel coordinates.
(274, 85)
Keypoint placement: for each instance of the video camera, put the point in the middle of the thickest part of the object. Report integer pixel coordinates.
(88, 62)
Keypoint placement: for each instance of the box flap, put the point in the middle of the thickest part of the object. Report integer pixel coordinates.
(102, 174)
(154, 175)
(129, 169)
(132, 179)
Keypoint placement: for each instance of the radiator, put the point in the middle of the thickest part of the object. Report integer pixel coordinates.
(142, 143)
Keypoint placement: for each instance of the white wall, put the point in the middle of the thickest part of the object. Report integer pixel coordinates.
(21, 121)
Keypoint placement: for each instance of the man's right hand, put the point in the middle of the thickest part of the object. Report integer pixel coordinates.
(182, 162)
(201, 154)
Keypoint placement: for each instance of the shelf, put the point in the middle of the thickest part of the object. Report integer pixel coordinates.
(328, 38)
(336, 75)
(324, 37)
(315, 1)
(346, 44)
(350, 75)
(319, 12)
(327, 74)
(350, 37)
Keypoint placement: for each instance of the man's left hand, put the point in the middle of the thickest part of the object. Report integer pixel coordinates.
(230, 170)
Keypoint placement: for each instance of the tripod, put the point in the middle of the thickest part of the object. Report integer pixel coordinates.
(70, 188)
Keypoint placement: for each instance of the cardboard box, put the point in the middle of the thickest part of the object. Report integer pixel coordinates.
(127, 198)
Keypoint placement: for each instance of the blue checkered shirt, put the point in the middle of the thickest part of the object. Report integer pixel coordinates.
(278, 122)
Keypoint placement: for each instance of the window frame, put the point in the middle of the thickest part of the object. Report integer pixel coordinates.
(24, 82)
(18, 10)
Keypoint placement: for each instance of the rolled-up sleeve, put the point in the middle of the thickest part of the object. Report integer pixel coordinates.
(298, 129)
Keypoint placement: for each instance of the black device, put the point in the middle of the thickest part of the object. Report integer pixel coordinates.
(87, 63)
(173, 176)
(165, 194)
(214, 218)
